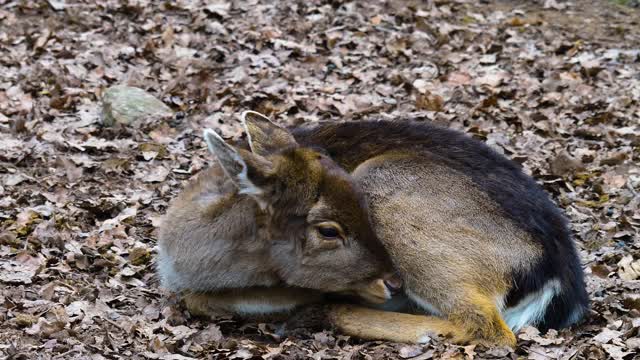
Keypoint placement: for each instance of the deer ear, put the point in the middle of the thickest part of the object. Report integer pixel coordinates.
(246, 170)
(265, 137)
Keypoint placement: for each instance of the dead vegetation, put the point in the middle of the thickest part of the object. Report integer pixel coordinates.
(552, 84)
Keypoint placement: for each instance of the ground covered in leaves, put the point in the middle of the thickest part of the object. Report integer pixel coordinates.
(554, 85)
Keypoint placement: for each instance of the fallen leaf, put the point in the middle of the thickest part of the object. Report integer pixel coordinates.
(157, 174)
(629, 269)
(411, 351)
(564, 164)
(615, 351)
(429, 102)
(607, 335)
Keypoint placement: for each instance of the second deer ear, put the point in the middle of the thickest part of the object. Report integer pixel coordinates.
(265, 137)
(247, 170)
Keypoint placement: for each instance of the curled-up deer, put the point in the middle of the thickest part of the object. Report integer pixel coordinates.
(269, 228)
(480, 247)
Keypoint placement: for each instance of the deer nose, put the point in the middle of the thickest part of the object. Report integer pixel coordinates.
(393, 283)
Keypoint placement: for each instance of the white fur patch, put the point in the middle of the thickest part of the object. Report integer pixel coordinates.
(246, 186)
(252, 308)
(424, 339)
(532, 308)
(500, 303)
(423, 304)
(227, 154)
(168, 276)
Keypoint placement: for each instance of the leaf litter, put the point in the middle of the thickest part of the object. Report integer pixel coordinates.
(551, 84)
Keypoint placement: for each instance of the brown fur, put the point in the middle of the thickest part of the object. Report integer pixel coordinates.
(438, 241)
(451, 243)
(252, 300)
(253, 222)
(454, 246)
(370, 324)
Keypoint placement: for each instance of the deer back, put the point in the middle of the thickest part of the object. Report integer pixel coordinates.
(452, 211)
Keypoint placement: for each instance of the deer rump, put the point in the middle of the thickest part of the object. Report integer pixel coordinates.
(475, 240)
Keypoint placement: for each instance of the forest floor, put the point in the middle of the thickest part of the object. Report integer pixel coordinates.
(554, 85)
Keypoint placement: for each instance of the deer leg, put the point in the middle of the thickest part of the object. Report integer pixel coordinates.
(371, 324)
(250, 301)
(480, 318)
(478, 321)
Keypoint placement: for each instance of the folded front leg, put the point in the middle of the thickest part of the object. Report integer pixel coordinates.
(371, 324)
(475, 320)
(254, 301)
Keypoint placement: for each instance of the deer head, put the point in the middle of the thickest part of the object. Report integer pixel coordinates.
(314, 214)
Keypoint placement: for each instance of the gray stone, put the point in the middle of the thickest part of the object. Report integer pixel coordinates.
(126, 105)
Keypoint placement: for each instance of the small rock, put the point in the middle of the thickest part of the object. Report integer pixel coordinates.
(126, 105)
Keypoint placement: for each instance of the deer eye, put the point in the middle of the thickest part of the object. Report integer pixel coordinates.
(329, 231)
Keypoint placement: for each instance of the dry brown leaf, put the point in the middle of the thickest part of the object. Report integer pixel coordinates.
(156, 174)
(408, 352)
(429, 102)
(564, 164)
(79, 202)
(629, 269)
